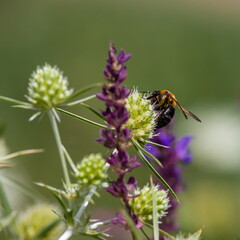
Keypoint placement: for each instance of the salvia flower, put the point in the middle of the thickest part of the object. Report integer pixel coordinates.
(142, 205)
(117, 135)
(48, 87)
(91, 170)
(171, 158)
(142, 117)
(34, 219)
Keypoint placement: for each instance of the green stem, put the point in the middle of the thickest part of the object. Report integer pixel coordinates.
(59, 146)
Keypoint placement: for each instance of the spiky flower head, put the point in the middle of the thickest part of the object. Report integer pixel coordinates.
(36, 218)
(142, 117)
(195, 236)
(48, 87)
(142, 205)
(91, 170)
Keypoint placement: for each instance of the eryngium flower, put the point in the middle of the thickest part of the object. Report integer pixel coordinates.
(34, 219)
(48, 87)
(142, 117)
(195, 236)
(91, 170)
(142, 205)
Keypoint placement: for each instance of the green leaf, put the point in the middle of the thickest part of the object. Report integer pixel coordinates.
(7, 99)
(81, 118)
(146, 152)
(131, 224)
(93, 111)
(57, 194)
(79, 101)
(48, 228)
(155, 172)
(83, 90)
(157, 144)
(69, 159)
(155, 213)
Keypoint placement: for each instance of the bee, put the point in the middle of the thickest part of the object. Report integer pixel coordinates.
(164, 103)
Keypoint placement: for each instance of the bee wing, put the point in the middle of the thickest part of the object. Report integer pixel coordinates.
(186, 112)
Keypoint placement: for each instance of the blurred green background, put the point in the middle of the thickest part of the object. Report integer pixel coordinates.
(191, 49)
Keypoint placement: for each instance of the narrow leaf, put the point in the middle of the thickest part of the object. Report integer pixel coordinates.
(69, 159)
(48, 228)
(157, 144)
(93, 111)
(5, 204)
(146, 152)
(156, 173)
(34, 116)
(15, 101)
(81, 118)
(79, 101)
(83, 90)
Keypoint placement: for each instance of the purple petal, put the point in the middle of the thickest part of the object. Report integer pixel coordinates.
(182, 149)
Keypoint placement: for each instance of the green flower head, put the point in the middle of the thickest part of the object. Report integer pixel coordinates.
(143, 204)
(48, 87)
(36, 218)
(142, 117)
(91, 170)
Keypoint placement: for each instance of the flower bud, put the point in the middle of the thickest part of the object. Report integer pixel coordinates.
(142, 205)
(142, 117)
(48, 87)
(91, 170)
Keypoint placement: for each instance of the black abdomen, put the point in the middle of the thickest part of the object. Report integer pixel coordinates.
(165, 116)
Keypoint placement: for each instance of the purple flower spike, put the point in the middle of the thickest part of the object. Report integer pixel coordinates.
(116, 136)
(171, 158)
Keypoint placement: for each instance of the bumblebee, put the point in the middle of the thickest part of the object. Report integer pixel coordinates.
(164, 103)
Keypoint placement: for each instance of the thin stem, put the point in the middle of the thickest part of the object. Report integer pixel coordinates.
(67, 234)
(59, 146)
(85, 203)
(87, 200)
